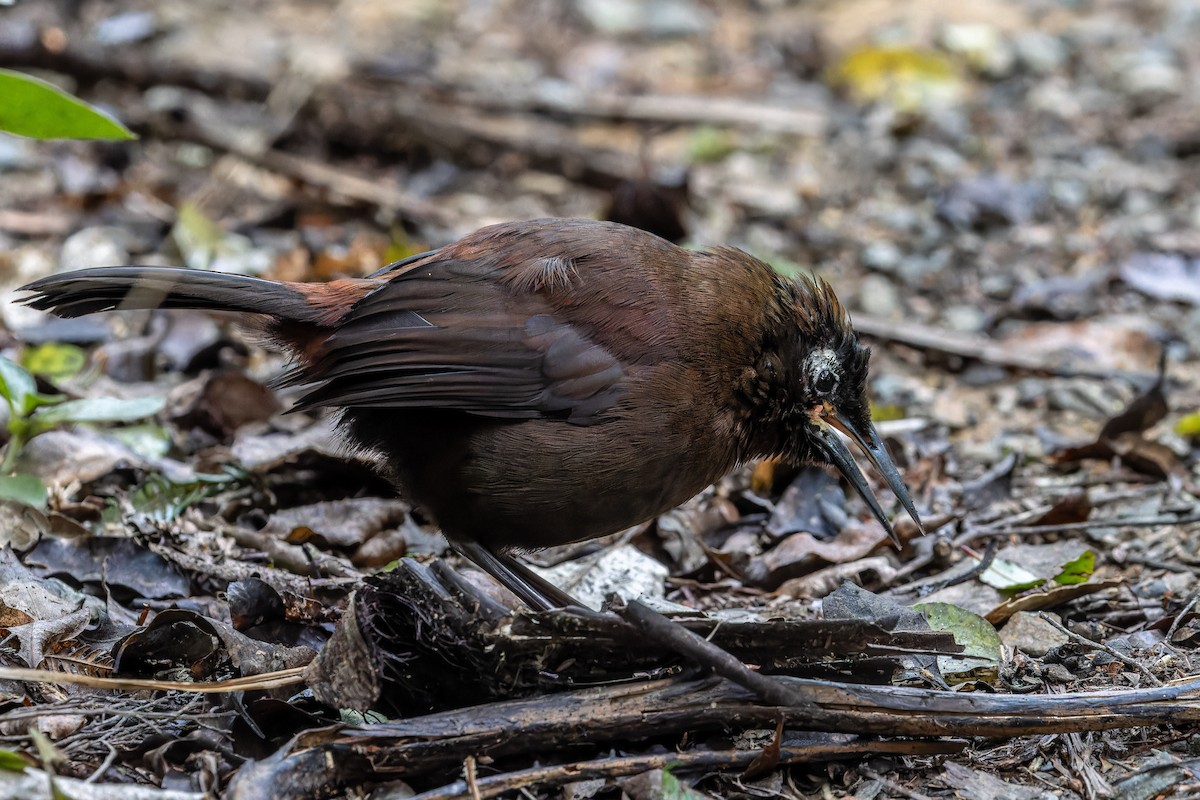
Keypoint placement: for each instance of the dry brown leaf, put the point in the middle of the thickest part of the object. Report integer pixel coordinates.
(1053, 596)
(228, 401)
(824, 581)
(802, 552)
(1120, 343)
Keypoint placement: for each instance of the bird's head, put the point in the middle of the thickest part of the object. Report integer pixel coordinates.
(829, 385)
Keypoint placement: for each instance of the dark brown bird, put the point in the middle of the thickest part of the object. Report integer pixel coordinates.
(544, 382)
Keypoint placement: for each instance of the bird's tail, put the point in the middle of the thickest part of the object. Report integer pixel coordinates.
(73, 294)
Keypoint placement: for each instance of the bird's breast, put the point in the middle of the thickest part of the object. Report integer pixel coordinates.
(542, 482)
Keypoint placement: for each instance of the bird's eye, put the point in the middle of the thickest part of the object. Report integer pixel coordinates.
(823, 371)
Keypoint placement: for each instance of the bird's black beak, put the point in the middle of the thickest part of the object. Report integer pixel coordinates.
(868, 441)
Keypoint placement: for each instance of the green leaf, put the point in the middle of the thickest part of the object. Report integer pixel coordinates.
(48, 754)
(97, 409)
(1078, 570)
(27, 489)
(708, 145)
(39, 110)
(19, 388)
(196, 236)
(401, 246)
(675, 789)
(1189, 425)
(12, 762)
(148, 439)
(352, 717)
(162, 500)
(981, 644)
(887, 412)
(786, 267)
(54, 360)
(1009, 577)
(16, 384)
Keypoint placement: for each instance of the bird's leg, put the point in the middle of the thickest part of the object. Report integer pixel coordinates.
(534, 590)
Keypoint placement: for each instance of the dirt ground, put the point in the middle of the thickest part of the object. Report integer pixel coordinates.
(1006, 198)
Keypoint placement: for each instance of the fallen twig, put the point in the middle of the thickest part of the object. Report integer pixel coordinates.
(981, 348)
(669, 109)
(679, 639)
(1094, 645)
(1067, 527)
(826, 748)
(320, 762)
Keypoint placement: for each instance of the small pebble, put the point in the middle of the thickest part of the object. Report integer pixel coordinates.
(967, 319)
(997, 285)
(914, 269)
(878, 296)
(983, 47)
(1039, 52)
(1151, 76)
(882, 256)
(654, 18)
(101, 246)
(124, 28)
(15, 153)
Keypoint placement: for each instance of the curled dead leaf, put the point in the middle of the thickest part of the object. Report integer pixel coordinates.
(801, 553)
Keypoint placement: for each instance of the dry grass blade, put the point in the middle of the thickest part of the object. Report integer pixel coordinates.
(269, 680)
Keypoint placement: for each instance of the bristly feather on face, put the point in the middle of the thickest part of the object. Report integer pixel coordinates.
(811, 358)
(828, 397)
(823, 322)
(833, 363)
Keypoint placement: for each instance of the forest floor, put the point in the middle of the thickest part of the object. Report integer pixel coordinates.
(1006, 197)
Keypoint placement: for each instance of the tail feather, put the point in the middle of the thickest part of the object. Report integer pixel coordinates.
(73, 294)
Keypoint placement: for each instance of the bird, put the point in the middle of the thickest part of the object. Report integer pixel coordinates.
(542, 382)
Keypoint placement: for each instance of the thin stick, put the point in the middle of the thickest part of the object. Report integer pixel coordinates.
(1087, 525)
(472, 781)
(978, 348)
(890, 784)
(1086, 642)
(707, 654)
(495, 785)
(1179, 617)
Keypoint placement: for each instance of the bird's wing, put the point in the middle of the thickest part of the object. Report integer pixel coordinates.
(496, 337)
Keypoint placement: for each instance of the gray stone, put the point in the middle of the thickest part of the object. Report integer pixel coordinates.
(656, 18)
(1031, 634)
(1040, 52)
(1150, 76)
(882, 256)
(997, 285)
(982, 45)
(15, 153)
(913, 269)
(101, 246)
(878, 296)
(968, 319)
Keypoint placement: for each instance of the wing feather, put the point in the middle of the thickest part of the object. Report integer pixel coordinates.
(447, 333)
